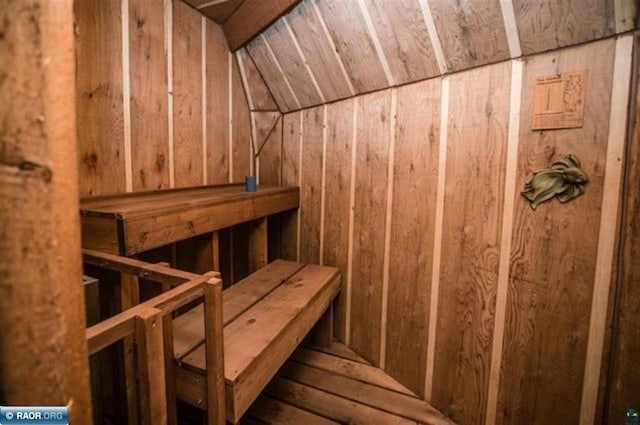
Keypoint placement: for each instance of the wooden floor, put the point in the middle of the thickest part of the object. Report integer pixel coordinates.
(336, 386)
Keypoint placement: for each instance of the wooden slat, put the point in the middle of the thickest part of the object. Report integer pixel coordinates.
(291, 134)
(548, 24)
(99, 97)
(260, 94)
(467, 28)
(130, 296)
(252, 17)
(270, 410)
(338, 349)
(471, 241)
(311, 185)
(347, 27)
(317, 48)
(217, 95)
(404, 39)
(241, 133)
(415, 177)
(320, 402)
(187, 92)
(337, 192)
(263, 123)
(214, 352)
(369, 223)
(148, 69)
(189, 327)
(348, 368)
(390, 401)
(553, 257)
(271, 159)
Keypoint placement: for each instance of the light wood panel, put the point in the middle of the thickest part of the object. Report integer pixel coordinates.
(217, 82)
(415, 176)
(271, 159)
(318, 51)
(291, 133)
(471, 32)
(100, 113)
(258, 91)
(548, 24)
(553, 257)
(369, 222)
(148, 69)
(311, 181)
(187, 95)
(404, 39)
(241, 131)
(339, 151)
(474, 190)
(219, 12)
(348, 30)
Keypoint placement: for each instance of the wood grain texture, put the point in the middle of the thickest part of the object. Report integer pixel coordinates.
(348, 30)
(474, 191)
(291, 133)
(404, 39)
(148, 69)
(549, 24)
(272, 75)
(261, 98)
(282, 44)
(99, 97)
(217, 75)
(318, 51)
(467, 28)
(187, 95)
(372, 157)
(241, 133)
(311, 185)
(551, 277)
(337, 197)
(219, 12)
(415, 176)
(271, 158)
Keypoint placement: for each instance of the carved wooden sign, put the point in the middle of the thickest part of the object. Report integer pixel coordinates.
(559, 101)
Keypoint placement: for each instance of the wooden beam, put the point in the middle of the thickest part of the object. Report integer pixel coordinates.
(251, 18)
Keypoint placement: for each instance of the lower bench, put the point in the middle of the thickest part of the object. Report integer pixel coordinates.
(265, 317)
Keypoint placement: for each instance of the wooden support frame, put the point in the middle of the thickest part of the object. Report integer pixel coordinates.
(150, 324)
(258, 244)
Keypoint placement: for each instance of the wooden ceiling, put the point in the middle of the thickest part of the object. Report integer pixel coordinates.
(325, 50)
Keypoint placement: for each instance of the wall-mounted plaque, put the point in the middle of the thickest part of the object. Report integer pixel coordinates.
(559, 101)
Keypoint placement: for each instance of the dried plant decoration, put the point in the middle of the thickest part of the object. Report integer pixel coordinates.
(564, 180)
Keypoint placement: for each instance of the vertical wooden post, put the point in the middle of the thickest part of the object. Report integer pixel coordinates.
(151, 377)
(258, 247)
(167, 331)
(44, 353)
(130, 296)
(214, 352)
(215, 250)
(322, 333)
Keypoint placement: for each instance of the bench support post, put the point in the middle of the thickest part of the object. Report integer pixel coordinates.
(216, 409)
(258, 245)
(130, 296)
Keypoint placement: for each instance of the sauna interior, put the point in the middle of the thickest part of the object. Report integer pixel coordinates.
(321, 211)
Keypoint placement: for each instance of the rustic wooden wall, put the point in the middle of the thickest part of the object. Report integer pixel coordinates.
(160, 98)
(492, 311)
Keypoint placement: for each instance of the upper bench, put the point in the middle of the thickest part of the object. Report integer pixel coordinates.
(127, 224)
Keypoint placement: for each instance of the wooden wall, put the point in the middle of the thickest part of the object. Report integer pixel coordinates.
(494, 312)
(160, 98)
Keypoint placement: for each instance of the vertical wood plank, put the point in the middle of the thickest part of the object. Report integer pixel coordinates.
(291, 137)
(214, 353)
(415, 175)
(258, 248)
(553, 258)
(260, 94)
(148, 69)
(271, 158)
(100, 111)
(187, 95)
(369, 223)
(130, 296)
(311, 185)
(337, 193)
(474, 191)
(241, 122)
(217, 55)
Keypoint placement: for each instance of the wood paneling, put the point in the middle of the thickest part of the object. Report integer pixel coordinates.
(467, 28)
(241, 128)
(311, 181)
(100, 114)
(372, 156)
(219, 12)
(291, 133)
(187, 95)
(217, 82)
(474, 190)
(148, 69)
(404, 39)
(317, 48)
(415, 176)
(553, 258)
(258, 92)
(271, 158)
(548, 24)
(339, 151)
(348, 30)
(296, 72)
(272, 74)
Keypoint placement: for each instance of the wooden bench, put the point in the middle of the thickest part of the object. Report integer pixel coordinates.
(265, 317)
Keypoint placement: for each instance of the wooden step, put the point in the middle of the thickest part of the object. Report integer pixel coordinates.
(272, 411)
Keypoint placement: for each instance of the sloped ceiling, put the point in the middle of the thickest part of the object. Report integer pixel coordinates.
(325, 50)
